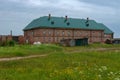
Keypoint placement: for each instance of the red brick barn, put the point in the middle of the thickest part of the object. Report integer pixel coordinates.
(48, 29)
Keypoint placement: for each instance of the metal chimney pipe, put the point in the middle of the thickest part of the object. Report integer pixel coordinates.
(49, 16)
(66, 17)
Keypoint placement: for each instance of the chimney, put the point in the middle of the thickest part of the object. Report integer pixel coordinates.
(11, 32)
(87, 22)
(49, 16)
(66, 18)
(87, 19)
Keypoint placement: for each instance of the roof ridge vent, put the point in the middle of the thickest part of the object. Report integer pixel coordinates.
(68, 23)
(52, 22)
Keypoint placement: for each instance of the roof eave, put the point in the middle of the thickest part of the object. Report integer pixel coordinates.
(61, 28)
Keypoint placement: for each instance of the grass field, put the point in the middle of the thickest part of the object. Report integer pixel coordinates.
(25, 50)
(93, 62)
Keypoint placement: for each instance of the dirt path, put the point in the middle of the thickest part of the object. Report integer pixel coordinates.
(94, 49)
(43, 55)
(19, 58)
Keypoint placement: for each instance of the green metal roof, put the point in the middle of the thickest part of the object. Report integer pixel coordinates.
(59, 22)
(106, 29)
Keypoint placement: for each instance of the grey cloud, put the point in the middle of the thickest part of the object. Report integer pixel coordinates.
(110, 3)
(19, 13)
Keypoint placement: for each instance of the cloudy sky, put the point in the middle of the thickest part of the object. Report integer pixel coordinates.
(16, 14)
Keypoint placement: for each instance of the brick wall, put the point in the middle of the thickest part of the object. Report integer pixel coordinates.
(21, 39)
(4, 38)
(108, 36)
(55, 35)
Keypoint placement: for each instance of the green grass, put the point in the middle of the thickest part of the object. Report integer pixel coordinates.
(65, 63)
(24, 50)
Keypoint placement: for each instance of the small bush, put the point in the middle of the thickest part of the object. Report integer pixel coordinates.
(7, 43)
(11, 43)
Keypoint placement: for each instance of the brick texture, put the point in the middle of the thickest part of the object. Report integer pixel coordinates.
(55, 35)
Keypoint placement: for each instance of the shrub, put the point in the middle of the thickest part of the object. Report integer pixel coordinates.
(7, 43)
(10, 43)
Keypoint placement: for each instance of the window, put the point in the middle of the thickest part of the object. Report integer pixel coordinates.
(46, 39)
(75, 33)
(80, 33)
(36, 38)
(49, 39)
(86, 33)
(32, 33)
(57, 32)
(55, 39)
(44, 33)
(93, 33)
(69, 33)
(43, 39)
(49, 32)
(63, 33)
(105, 35)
